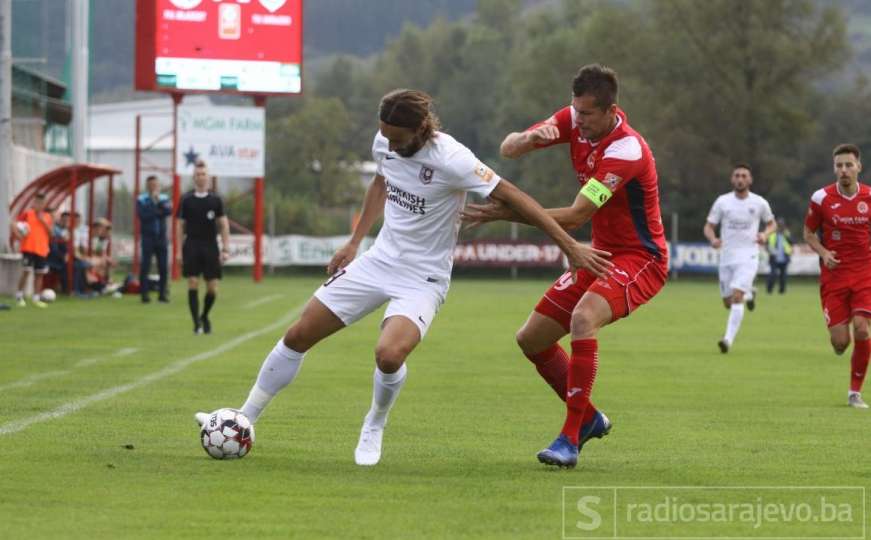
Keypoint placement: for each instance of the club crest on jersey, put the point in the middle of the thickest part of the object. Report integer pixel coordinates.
(611, 180)
(862, 207)
(591, 160)
(425, 175)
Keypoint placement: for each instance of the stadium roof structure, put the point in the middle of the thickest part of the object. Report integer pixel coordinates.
(59, 183)
(62, 183)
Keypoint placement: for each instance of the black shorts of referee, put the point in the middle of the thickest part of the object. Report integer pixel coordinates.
(201, 257)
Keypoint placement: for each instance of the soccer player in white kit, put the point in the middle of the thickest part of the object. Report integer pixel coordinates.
(738, 214)
(420, 185)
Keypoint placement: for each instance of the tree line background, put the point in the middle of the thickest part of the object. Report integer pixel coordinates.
(770, 82)
(776, 83)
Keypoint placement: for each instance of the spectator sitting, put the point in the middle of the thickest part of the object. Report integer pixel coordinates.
(58, 248)
(93, 266)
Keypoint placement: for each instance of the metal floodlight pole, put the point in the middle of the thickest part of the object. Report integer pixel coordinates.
(81, 55)
(5, 119)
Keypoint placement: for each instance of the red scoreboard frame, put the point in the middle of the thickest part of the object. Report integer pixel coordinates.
(225, 46)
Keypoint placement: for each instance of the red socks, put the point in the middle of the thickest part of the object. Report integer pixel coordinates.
(582, 373)
(859, 363)
(553, 366)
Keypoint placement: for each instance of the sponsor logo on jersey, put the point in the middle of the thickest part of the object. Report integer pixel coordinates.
(425, 175)
(850, 220)
(612, 180)
(484, 172)
(862, 207)
(409, 201)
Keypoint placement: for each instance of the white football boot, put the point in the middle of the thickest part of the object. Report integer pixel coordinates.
(201, 418)
(855, 401)
(368, 451)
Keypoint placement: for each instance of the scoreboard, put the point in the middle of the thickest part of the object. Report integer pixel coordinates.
(227, 46)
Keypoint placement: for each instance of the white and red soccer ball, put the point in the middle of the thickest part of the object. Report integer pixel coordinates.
(227, 434)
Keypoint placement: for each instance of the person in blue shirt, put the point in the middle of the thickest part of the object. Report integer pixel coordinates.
(152, 208)
(779, 254)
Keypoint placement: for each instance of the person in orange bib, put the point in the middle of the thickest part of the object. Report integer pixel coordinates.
(34, 239)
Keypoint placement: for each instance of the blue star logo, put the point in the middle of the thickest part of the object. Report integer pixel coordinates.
(190, 157)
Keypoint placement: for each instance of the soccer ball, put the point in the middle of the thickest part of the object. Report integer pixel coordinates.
(48, 295)
(227, 434)
(23, 228)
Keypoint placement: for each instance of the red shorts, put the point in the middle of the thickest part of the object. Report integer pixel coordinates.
(842, 300)
(634, 280)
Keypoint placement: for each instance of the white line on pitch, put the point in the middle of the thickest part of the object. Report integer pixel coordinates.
(261, 301)
(127, 351)
(30, 379)
(176, 367)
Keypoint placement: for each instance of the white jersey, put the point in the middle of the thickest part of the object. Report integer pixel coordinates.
(425, 194)
(739, 221)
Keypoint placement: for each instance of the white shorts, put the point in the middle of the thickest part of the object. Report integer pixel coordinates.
(737, 277)
(368, 282)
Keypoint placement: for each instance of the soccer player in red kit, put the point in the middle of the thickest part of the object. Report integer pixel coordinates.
(620, 195)
(838, 228)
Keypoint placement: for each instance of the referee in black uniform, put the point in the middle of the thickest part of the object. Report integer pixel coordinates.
(200, 218)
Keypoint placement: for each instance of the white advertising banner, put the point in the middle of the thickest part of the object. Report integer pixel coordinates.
(229, 139)
(299, 250)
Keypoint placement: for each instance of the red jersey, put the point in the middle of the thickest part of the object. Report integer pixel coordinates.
(630, 221)
(844, 226)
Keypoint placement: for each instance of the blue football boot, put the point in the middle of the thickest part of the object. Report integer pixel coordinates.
(561, 453)
(596, 428)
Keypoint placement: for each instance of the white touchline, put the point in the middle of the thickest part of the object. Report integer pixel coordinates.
(67, 408)
(261, 301)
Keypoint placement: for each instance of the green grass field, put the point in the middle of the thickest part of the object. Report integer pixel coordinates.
(97, 437)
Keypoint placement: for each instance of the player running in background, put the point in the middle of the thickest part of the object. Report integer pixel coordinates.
(738, 214)
(620, 195)
(837, 228)
(420, 186)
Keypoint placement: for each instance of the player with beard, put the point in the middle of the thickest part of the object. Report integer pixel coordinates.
(837, 229)
(738, 214)
(420, 186)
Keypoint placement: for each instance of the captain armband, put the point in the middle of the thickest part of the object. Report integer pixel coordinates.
(596, 191)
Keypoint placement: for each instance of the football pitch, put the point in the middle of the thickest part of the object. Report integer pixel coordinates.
(97, 438)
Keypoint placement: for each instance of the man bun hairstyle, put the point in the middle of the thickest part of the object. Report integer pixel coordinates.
(598, 81)
(410, 109)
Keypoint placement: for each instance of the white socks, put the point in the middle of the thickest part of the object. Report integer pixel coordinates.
(385, 390)
(278, 370)
(736, 314)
